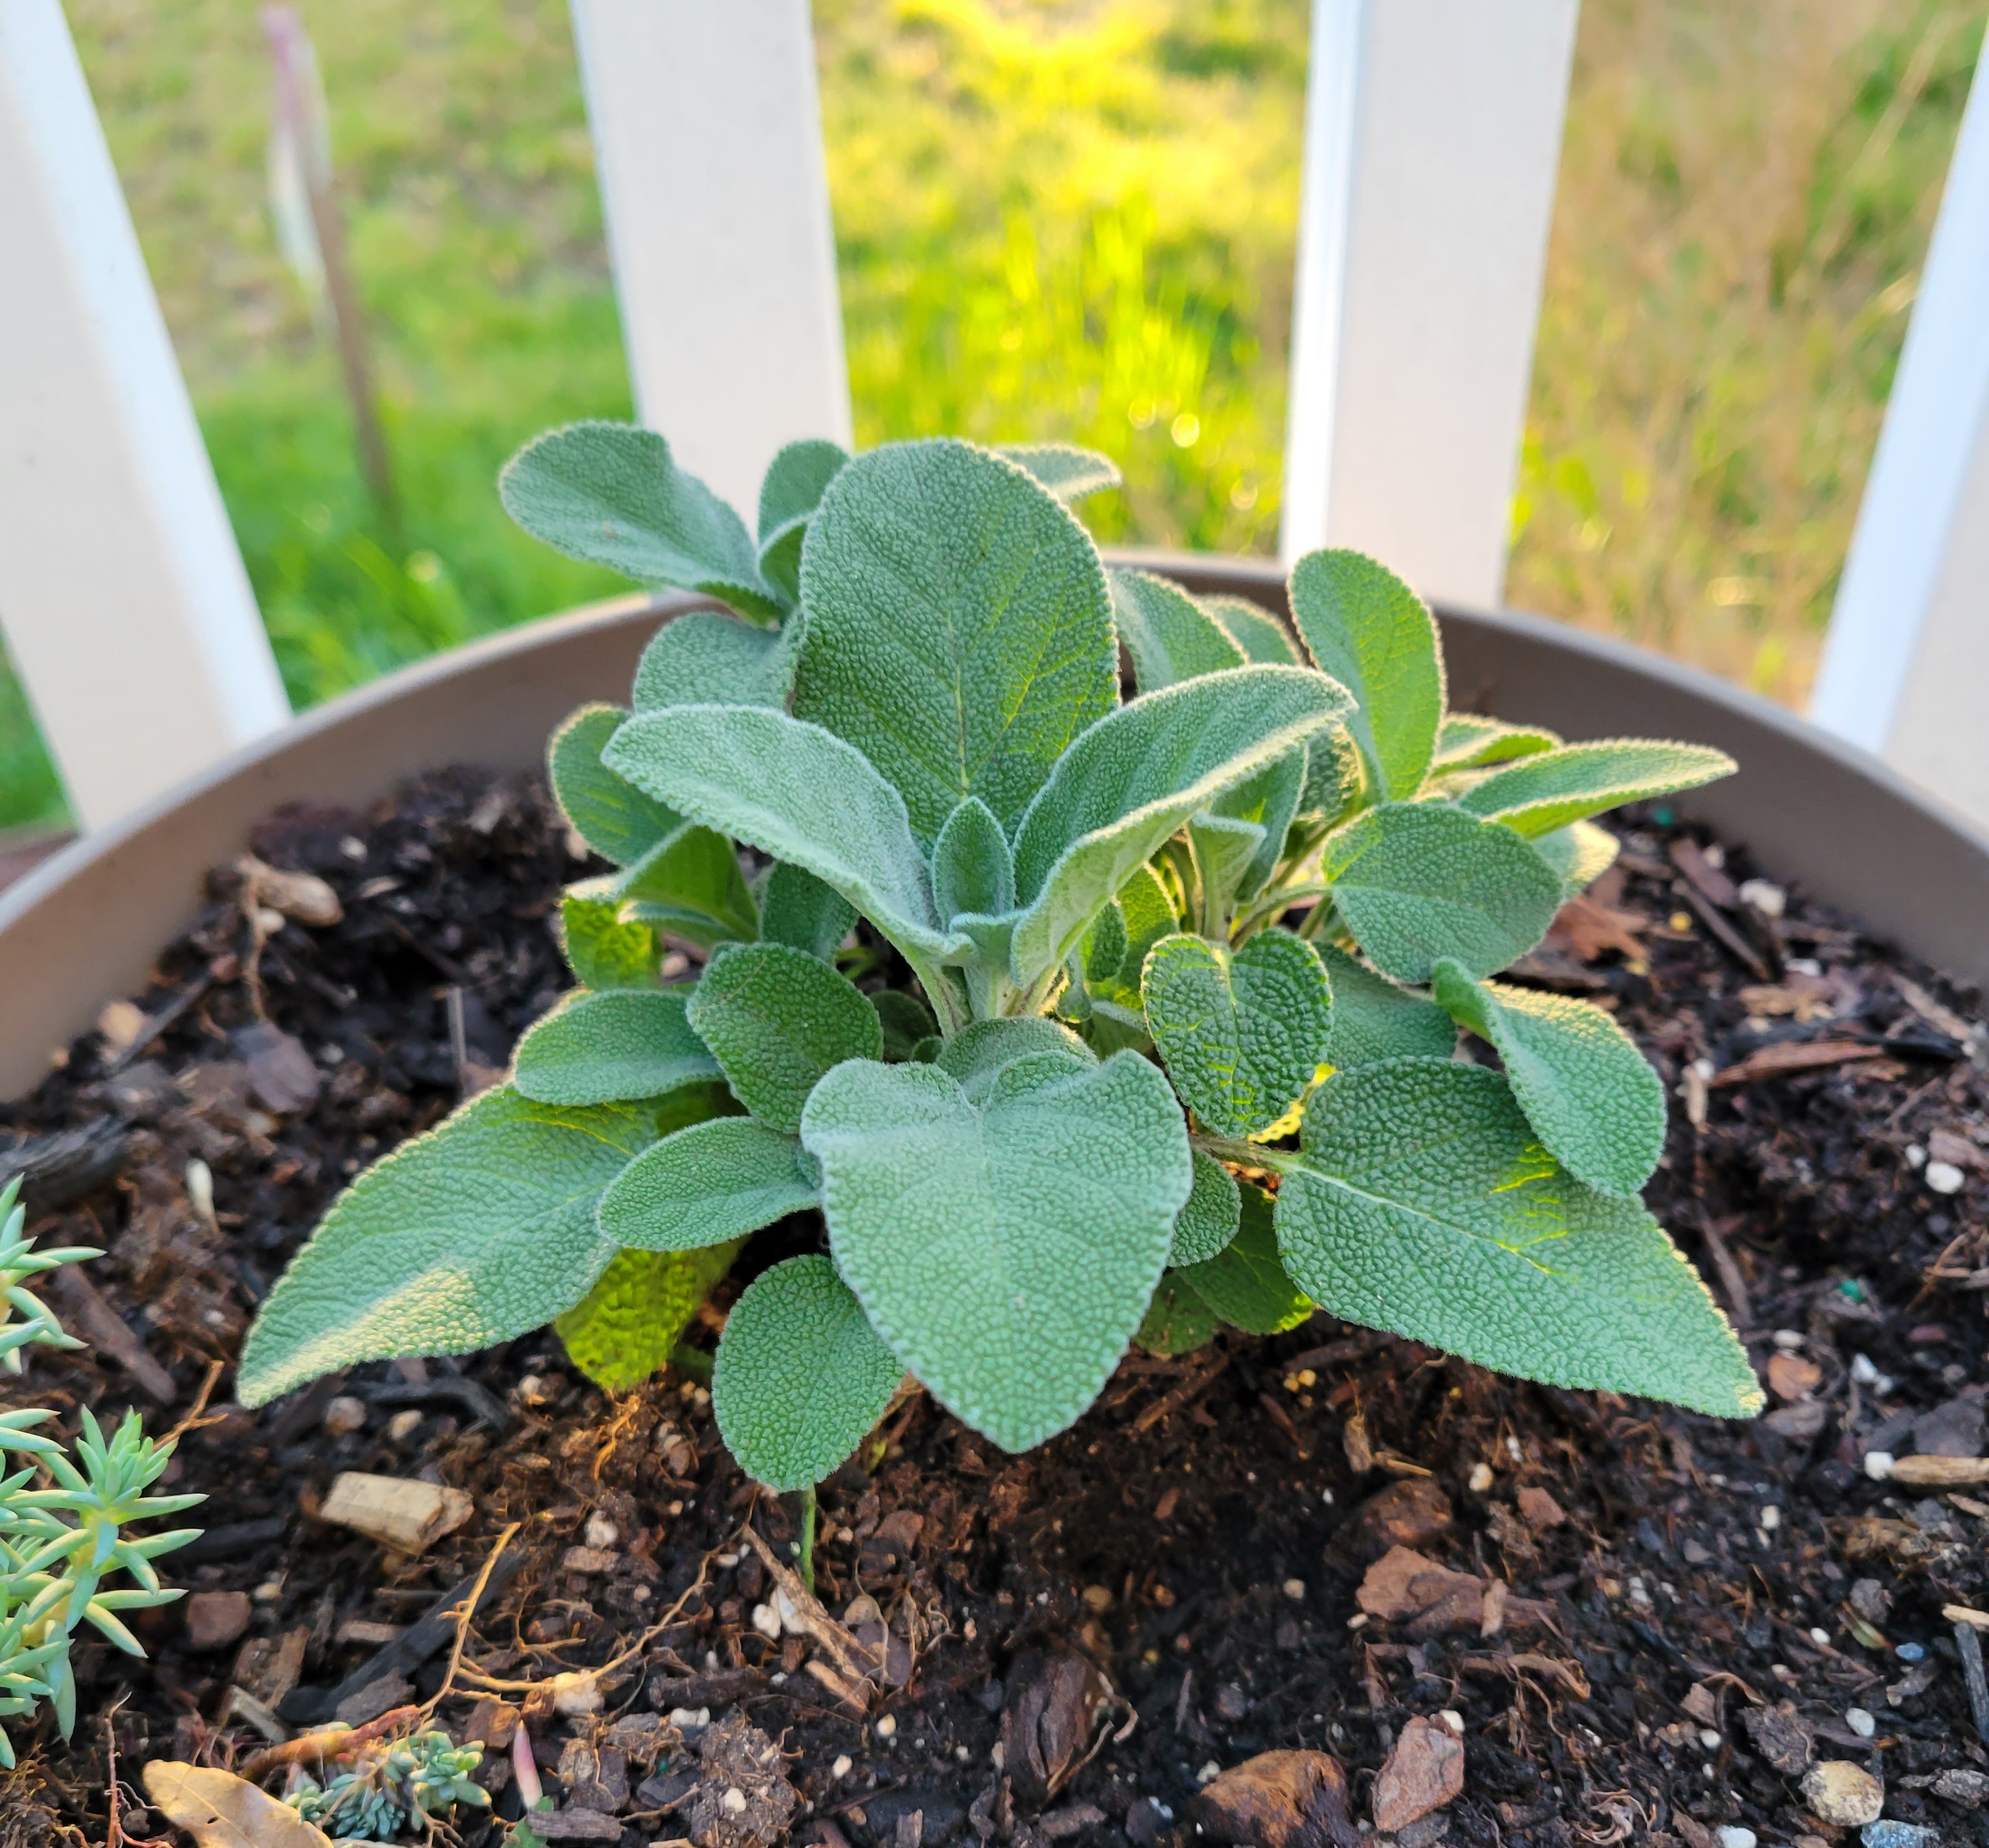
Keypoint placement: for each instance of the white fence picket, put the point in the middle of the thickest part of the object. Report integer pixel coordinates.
(1432, 147)
(1906, 663)
(125, 603)
(707, 138)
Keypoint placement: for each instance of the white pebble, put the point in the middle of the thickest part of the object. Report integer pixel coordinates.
(1944, 1177)
(601, 1532)
(1708, 1739)
(1451, 1718)
(1788, 1340)
(1208, 1773)
(734, 1802)
(767, 1621)
(1733, 1836)
(844, 1765)
(1820, 1637)
(690, 1719)
(1771, 1517)
(402, 1425)
(344, 1415)
(1295, 1590)
(1860, 1722)
(887, 1726)
(1916, 1157)
(1878, 1464)
(1770, 898)
(1481, 1478)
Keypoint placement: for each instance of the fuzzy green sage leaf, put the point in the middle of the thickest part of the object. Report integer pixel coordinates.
(1540, 793)
(615, 1047)
(625, 1327)
(707, 1185)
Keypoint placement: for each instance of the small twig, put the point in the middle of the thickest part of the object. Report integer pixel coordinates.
(468, 1610)
(157, 1024)
(1173, 1402)
(1730, 1276)
(193, 1421)
(1969, 1644)
(490, 1684)
(326, 1742)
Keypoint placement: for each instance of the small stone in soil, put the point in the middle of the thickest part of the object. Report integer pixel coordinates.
(1899, 1835)
(214, 1619)
(1424, 1771)
(1733, 1836)
(1539, 1509)
(1843, 1795)
(1411, 1514)
(344, 1415)
(1969, 1788)
(1278, 1800)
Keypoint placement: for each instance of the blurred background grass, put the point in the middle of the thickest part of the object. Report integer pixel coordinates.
(1055, 218)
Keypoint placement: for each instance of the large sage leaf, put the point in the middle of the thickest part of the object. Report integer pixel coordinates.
(707, 1184)
(616, 819)
(801, 1376)
(1585, 1088)
(690, 884)
(796, 908)
(1376, 636)
(1245, 1283)
(478, 1231)
(790, 491)
(619, 1046)
(1131, 780)
(1242, 1031)
(958, 633)
(704, 658)
(795, 792)
(625, 1327)
(1209, 1221)
(1067, 471)
(776, 1018)
(1423, 1204)
(603, 949)
(1417, 881)
(611, 493)
(1169, 637)
(1547, 791)
(1372, 1019)
(1007, 1252)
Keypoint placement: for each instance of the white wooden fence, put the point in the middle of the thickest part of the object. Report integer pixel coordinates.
(1433, 143)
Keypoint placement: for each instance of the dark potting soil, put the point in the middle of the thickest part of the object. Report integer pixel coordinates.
(1648, 1623)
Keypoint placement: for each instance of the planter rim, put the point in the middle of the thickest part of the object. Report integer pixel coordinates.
(87, 924)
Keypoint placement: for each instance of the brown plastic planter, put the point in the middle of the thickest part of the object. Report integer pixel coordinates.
(84, 927)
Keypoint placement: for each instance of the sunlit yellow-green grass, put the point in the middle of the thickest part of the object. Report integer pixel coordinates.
(1055, 217)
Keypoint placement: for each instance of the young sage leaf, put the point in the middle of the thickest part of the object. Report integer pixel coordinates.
(603, 950)
(704, 658)
(979, 1053)
(1372, 1019)
(1242, 1031)
(620, 1046)
(611, 493)
(801, 1376)
(691, 885)
(1588, 1091)
(958, 633)
(1422, 1204)
(790, 491)
(1007, 1252)
(776, 1019)
(972, 869)
(616, 819)
(1416, 881)
(1067, 471)
(1209, 1220)
(1578, 854)
(796, 908)
(1540, 793)
(707, 1184)
(1169, 637)
(1468, 740)
(1245, 1283)
(1134, 778)
(1176, 1321)
(797, 792)
(1253, 629)
(625, 1327)
(477, 1232)
(1366, 627)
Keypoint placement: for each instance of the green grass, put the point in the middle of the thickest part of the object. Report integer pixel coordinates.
(1055, 218)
